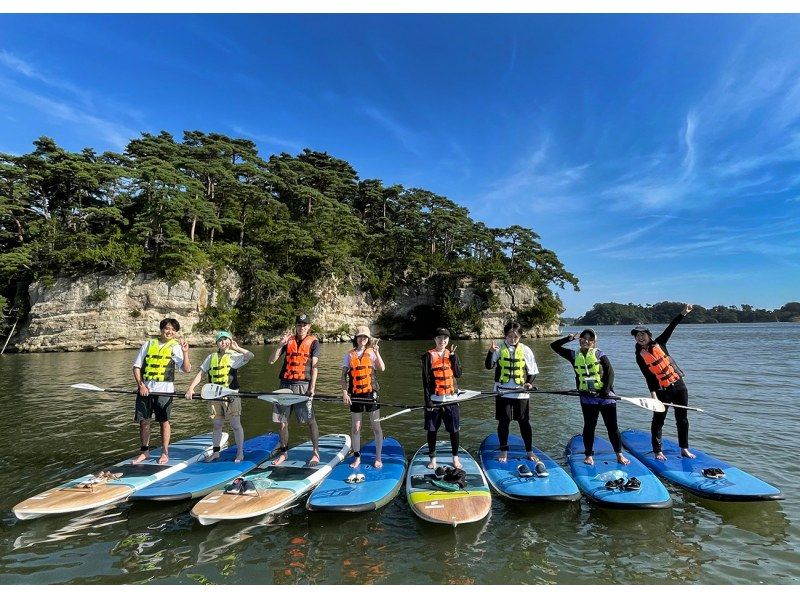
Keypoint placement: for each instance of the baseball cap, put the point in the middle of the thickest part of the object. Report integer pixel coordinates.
(302, 319)
(641, 329)
(222, 334)
(442, 332)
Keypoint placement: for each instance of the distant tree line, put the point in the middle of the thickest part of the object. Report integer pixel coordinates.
(661, 313)
(209, 202)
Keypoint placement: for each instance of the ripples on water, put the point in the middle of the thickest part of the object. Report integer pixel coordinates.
(57, 434)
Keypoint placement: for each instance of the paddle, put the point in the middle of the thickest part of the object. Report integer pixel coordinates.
(470, 396)
(724, 418)
(93, 388)
(282, 396)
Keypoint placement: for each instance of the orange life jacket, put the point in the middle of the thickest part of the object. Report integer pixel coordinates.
(660, 364)
(444, 382)
(297, 365)
(361, 375)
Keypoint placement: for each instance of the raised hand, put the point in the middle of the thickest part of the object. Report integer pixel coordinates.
(687, 309)
(494, 346)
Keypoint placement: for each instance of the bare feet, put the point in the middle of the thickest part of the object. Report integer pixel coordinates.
(280, 459)
(212, 457)
(456, 462)
(162, 460)
(686, 453)
(239, 458)
(140, 457)
(589, 460)
(532, 457)
(356, 462)
(661, 456)
(623, 459)
(503, 456)
(378, 463)
(432, 463)
(314, 460)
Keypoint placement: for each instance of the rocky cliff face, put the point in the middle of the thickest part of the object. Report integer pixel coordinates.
(113, 312)
(120, 312)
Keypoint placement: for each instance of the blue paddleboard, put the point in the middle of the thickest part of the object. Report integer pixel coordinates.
(200, 478)
(379, 486)
(592, 479)
(735, 485)
(506, 480)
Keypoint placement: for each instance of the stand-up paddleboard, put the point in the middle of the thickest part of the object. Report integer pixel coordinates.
(271, 488)
(123, 479)
(704, 475)
(609, 483)
(367, 492)
(437, 505)
(506, 480)
(200, 478)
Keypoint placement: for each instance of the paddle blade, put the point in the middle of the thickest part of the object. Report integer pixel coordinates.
(216, 391)
(648, 403)
(283, 396)
(84, 386)
(382, 419)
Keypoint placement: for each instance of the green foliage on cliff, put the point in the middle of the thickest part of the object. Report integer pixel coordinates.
(661, 313)
(176, 207)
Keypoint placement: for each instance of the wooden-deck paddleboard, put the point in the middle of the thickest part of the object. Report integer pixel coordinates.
(451, 507)
(276, 486)
(90, 491)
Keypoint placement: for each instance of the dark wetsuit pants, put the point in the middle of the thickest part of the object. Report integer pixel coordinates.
(590, 413)
(678, 394)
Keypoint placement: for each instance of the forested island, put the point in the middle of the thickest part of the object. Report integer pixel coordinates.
(663, 312)
(209, 203)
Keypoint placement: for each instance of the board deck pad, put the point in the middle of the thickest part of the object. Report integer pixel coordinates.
(592, 479)
(451, 507)
(506, 480)
(377, 489)
(736, 485)
(71, 497)
(201, 478)
(277, 487)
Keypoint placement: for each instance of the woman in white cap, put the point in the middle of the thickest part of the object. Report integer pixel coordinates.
(221, 367)
(665, 382)
(594, 379)
(360, 390)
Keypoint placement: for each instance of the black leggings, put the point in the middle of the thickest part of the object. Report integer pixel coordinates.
(524, 430)
(679, 395)
(432, 443)
(609, 413)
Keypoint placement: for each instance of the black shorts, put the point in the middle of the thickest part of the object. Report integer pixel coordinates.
(450, 414)
(153, 404)
(365, 407)
(508, 410)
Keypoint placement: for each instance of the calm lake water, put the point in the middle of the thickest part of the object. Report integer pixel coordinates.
(749, 372)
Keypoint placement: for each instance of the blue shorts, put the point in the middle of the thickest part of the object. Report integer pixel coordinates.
(450, 414)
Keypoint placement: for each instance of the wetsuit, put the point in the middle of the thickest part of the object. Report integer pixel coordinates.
(594, 404)
(675, 393)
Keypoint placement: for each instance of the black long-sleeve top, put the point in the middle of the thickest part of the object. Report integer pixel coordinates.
(606, 371)
(661, 340)
(428, 381)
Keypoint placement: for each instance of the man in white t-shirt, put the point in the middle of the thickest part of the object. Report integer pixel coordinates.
(154, 372)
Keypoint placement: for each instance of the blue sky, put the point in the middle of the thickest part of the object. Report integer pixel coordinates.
(657, 155)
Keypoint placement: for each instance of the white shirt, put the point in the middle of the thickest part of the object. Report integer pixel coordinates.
(177, 357)
(530, 364)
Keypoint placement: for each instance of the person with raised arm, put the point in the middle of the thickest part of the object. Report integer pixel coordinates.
(154, 373)
(594, 379)
(440, 369)
(665, 382)
(222, 367)
(514, 368)
(299, 374)
(360, 383)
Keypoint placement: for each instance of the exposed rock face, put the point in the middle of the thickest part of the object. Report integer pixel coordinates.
(120, 312)
(114, 312)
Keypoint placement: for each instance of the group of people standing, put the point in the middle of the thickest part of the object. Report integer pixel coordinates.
(513, 362)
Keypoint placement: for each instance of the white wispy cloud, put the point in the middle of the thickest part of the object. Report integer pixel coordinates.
(408, 138)
(280, 142)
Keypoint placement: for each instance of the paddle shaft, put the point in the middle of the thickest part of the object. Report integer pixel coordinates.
(136, 392)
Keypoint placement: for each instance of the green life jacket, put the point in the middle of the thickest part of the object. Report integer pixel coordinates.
(219, 369)
(587, 367)
(158, 365)
(512, 367)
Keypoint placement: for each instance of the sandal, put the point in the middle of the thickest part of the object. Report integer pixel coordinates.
(360, 477)
(714, 473)
(633, 484)
(524, 471)
(351, 479)
(612, 484)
